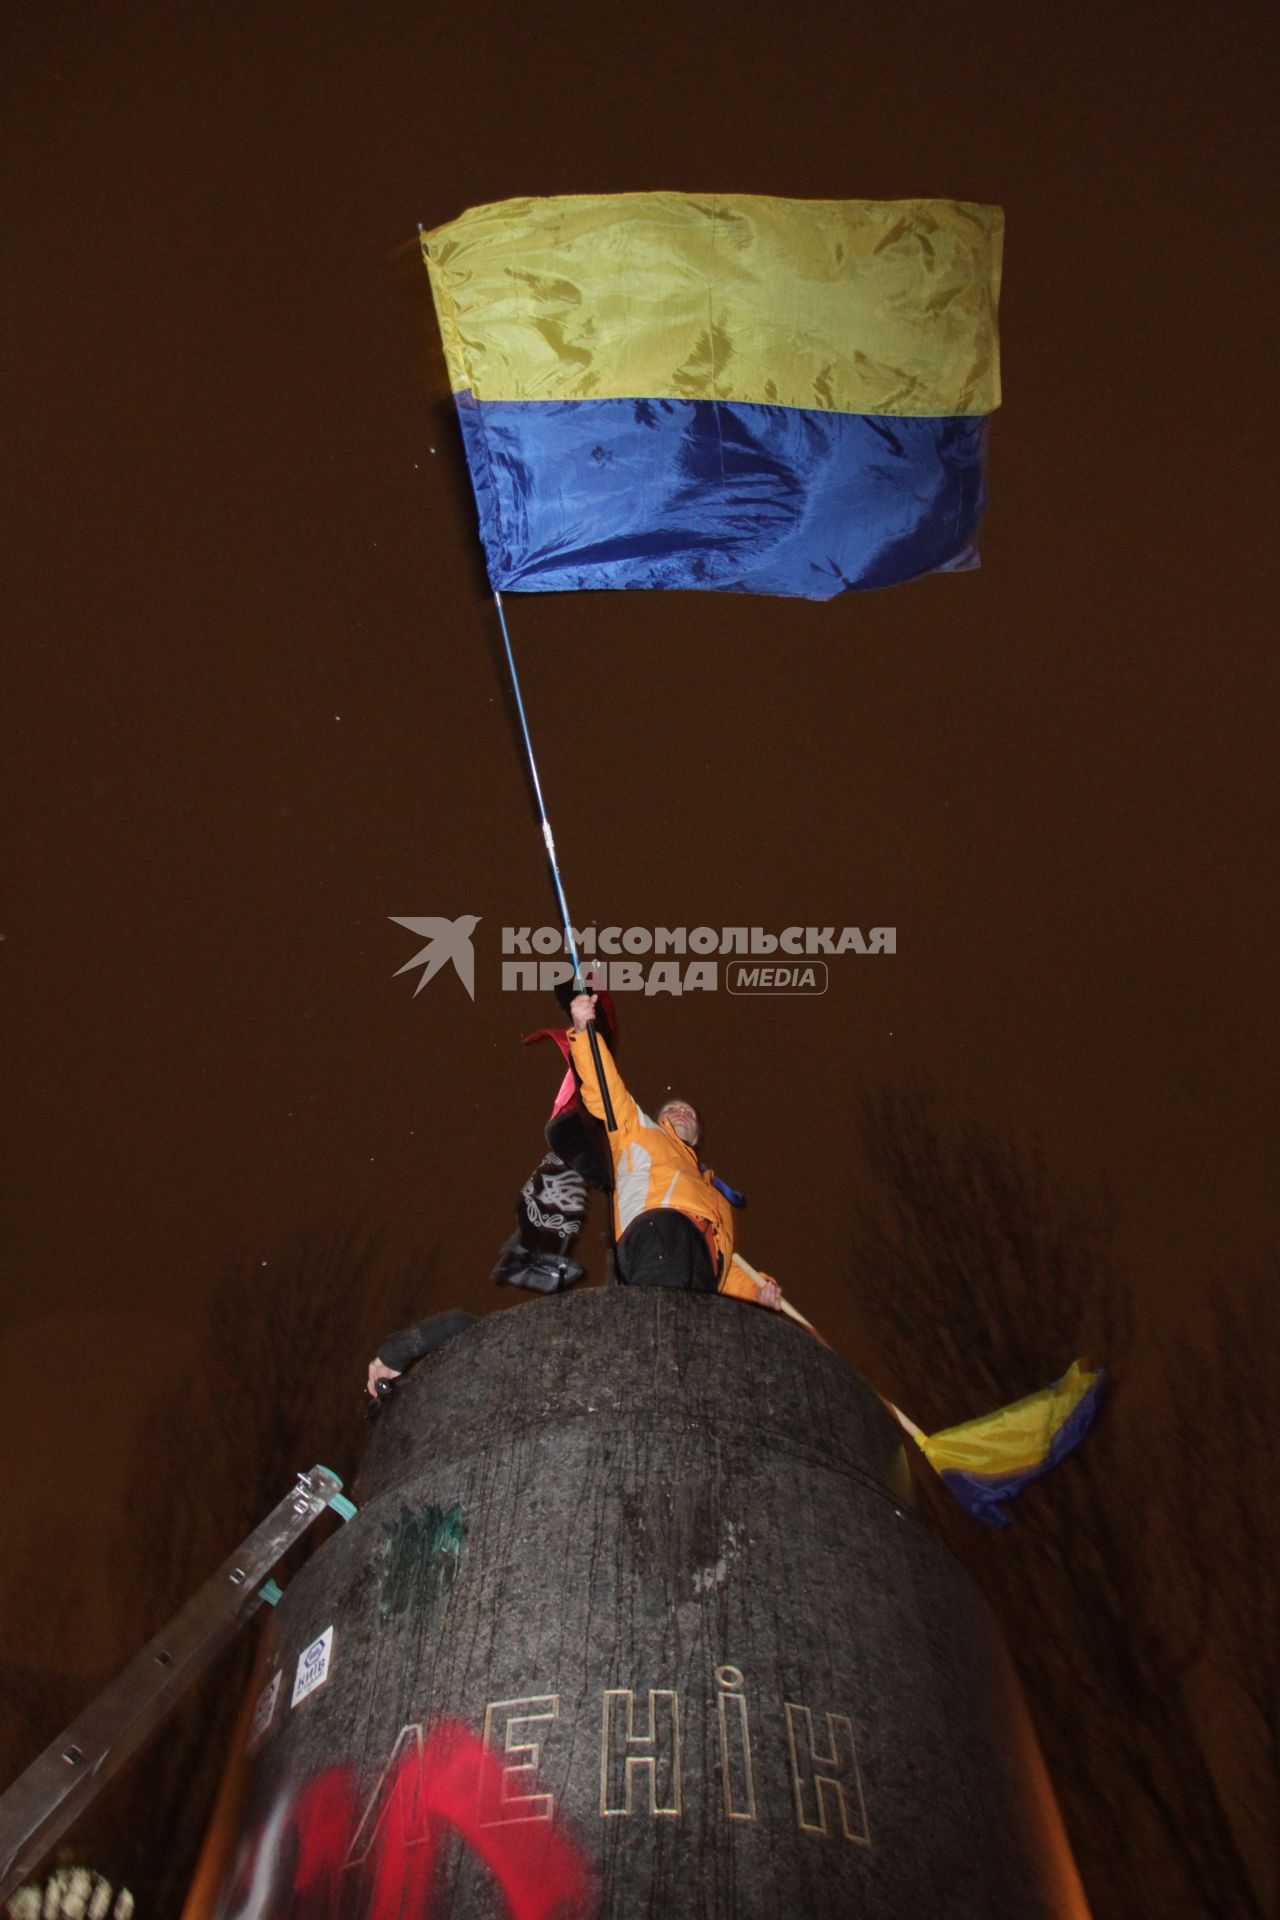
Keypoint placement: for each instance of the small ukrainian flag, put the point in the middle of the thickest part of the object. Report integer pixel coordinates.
(989, 1460)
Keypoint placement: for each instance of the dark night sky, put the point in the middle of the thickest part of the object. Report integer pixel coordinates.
(252, 706)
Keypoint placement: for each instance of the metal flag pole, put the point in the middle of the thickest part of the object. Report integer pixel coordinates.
(579, 984)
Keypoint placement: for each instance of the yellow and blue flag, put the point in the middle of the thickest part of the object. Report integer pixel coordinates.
(722, 391)
(989, 1460)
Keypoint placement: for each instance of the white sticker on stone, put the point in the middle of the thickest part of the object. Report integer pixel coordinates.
(313, 1666)
(265, 1709)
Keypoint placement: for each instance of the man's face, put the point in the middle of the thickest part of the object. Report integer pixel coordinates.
(682, 1120)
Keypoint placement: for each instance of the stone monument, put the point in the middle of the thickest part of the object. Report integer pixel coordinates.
(636, 1619)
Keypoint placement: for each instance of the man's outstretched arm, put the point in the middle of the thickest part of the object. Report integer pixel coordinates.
(625, 1111)
(401, 1350)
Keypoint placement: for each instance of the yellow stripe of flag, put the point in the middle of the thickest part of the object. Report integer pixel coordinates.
(848, 306)
(1013, 1439)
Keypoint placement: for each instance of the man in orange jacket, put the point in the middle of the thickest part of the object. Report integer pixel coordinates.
(674, 1224)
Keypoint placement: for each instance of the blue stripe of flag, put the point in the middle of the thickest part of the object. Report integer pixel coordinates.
(719, 495)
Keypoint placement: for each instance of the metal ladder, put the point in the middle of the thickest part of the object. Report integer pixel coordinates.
(73, 1770)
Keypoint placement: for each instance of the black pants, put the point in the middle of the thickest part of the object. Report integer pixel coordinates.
(663, 1248)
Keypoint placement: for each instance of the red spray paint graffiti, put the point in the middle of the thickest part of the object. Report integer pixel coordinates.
(320, 1824)
(311, 1860)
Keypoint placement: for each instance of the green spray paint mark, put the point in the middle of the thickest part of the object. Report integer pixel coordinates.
(421, 1558)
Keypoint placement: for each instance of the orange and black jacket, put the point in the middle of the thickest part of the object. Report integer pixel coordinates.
(654, 1167)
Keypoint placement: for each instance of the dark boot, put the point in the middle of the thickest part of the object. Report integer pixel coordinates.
(542, 1272)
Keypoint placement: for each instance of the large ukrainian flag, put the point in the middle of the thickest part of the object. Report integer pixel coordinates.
(722, 391)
